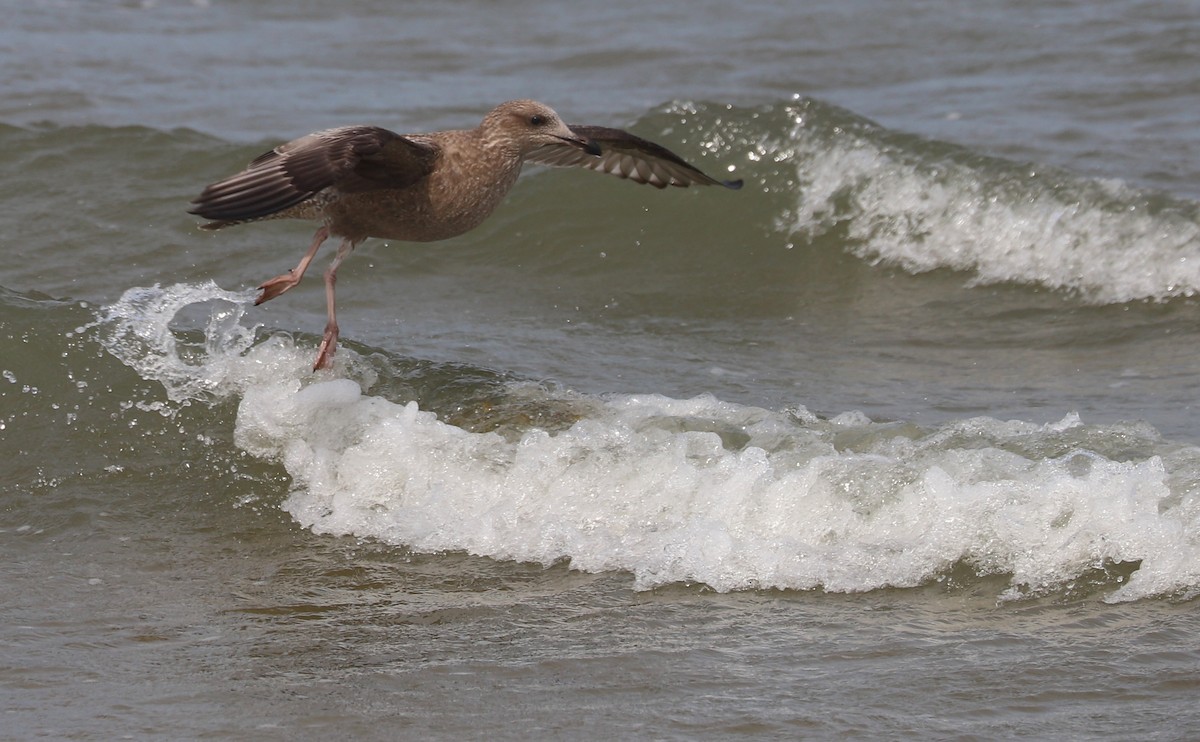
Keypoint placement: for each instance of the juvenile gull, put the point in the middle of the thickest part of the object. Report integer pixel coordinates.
(364, 181)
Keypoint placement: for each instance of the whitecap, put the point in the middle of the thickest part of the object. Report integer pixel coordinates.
(685, 490)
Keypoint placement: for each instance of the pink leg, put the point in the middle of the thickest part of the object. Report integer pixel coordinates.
(329, 342)
(285, 281)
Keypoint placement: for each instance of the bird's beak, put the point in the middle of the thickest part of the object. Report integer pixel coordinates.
(585, 144)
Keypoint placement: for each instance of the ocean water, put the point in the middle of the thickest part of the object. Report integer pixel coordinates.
(898, 441)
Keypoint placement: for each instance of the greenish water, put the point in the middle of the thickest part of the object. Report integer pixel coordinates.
(897, 441)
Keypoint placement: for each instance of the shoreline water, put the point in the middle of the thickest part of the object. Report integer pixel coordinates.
(897, 441)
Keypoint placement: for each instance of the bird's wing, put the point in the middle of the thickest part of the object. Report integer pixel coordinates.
(351, 158)
(626, 156)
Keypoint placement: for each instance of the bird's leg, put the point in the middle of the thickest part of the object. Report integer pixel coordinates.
(285, 281)
(329, 342)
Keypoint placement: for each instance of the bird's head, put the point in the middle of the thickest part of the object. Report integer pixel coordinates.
(527, 125)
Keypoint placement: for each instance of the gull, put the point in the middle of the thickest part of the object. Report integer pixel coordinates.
(366, 181)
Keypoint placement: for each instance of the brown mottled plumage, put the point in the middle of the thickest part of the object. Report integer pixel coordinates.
(364, 181)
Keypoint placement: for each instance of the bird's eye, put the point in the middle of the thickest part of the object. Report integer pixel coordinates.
(537, 119)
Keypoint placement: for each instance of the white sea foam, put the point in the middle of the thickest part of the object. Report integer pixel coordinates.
(704, 491)
(146, 330)
(915, 206)
(650, 485)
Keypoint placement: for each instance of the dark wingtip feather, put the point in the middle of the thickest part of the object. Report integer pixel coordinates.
(215, 224)
(732, 185)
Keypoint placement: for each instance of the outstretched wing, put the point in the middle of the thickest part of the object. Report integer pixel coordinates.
(626, 156)
(350, 158)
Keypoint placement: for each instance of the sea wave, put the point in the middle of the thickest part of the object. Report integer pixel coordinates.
(923, 205)
(821, 178)
(682, 490)
(818, 177)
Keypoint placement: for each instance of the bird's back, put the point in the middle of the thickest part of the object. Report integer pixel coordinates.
(369, 182)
